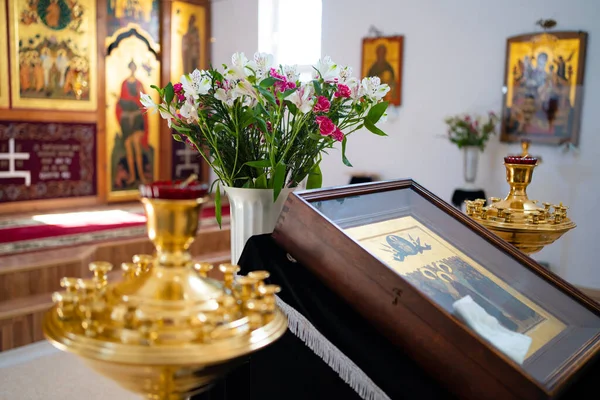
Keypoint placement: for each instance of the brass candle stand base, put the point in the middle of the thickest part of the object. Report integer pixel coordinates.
(166, 331)
(517, 219)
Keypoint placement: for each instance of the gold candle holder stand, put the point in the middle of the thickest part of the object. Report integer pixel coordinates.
(517, 219)
(165, 330)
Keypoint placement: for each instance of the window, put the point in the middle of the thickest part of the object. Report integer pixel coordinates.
(291, 31)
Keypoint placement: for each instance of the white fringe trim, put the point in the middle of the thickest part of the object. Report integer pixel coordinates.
(340, 363)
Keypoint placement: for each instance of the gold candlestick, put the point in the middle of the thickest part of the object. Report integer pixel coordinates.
(516, 218)
(165, 331)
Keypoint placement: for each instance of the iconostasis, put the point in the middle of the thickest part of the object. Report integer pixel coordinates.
(71, 129)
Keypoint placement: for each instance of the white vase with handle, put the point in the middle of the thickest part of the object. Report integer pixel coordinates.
(253, 212)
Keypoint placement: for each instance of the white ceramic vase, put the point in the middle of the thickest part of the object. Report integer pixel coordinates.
(471, 160)
(253, 212)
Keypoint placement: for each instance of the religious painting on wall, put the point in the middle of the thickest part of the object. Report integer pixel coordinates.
(446, 275)
(46, 161)
(543, 87)
(53, 50)
(140, 15)
(383, 57)
(189, 39)
(132, 135)
(4, 92)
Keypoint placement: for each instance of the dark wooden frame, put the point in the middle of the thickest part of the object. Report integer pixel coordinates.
(396, 101)
(438, 341)
(552, 140)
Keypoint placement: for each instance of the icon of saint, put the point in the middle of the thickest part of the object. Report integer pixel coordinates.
(134, 124)
(384, 70)
(190, 44)
(53, 14)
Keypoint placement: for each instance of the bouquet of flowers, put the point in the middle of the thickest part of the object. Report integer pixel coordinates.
(467, 130)
(258, 126)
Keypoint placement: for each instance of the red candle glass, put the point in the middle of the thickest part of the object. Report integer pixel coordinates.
(520, 160)
(173, 190)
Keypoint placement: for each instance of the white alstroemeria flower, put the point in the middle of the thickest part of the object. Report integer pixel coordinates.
(196, 83)
(244, 88)
(227, 94)
(303, 98)
(354, 86)
(345, 75)
(373, 89)
(261, 65)
(167, 113)
(148, 103)
(291, 73)
(238, 69)
(327, 69)
(189, 111)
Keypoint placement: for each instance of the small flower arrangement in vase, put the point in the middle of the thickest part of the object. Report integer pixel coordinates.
(263, 131)
(471, 133)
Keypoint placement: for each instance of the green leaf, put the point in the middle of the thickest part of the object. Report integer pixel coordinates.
(292, 107)
(278, 179)
(261, 182)
(371, 126)
(317, 86)
(283, 95)
(377, 111)
(259, 163)
(218, 205)
(219, 127)
(169, 93)
(344, 159)
(268, 82)
(182, 129)
(263, 125)
(267, 95)
(315, 178)
(159, 90)
(178, 138)
(249, 184)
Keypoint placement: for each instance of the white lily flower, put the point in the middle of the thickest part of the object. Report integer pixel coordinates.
(196, 83)
(148, 103)
(261, 65)
(227, 94)
(189, 111)
(345, 75)
(244, 88)
(354, 86)
(303, 98)
(327, 69)
(372, 88)
(291, 73)
(238, 70)
(167, 113)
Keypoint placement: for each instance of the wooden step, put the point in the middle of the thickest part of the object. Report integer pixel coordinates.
(21, 318)
(31, 274)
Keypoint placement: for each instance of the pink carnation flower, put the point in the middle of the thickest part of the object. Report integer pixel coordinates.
(322, 105)
(282, 83)
(338, 134)
(343, 91)
(326, 126)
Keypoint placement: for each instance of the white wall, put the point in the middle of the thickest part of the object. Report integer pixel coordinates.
(453, 63)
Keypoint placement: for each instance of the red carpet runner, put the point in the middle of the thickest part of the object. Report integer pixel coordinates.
(47, 231)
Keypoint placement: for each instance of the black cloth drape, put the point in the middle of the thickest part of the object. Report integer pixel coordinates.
(289, 370)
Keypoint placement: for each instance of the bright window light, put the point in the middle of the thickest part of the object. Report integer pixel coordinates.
(291, 31)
